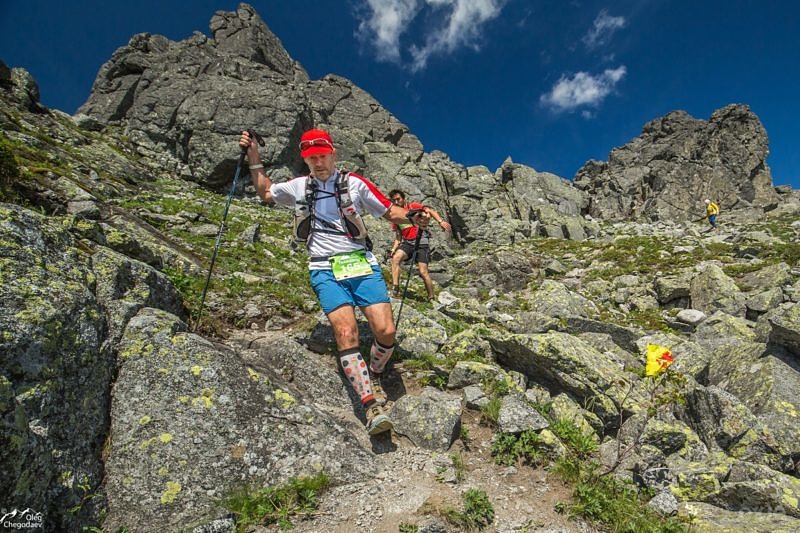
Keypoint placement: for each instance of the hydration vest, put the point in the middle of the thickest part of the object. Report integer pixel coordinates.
(304, 216)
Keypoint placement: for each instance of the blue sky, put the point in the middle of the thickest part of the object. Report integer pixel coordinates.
(549, 83)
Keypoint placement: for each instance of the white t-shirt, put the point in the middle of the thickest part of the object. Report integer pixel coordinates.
(365, 196)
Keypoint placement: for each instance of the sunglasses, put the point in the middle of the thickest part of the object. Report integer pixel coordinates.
(305, 145)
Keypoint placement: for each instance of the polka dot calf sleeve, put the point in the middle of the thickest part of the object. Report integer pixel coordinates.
(355, 368)
(379, 356)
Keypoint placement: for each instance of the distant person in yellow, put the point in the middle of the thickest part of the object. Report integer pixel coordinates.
(712, 210)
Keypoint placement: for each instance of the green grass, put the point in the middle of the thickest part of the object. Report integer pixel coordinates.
(464, 436)
(9, 170)
(558, 247)
(628, 255)
(616, 505)
(649, 319)
(298, 498)
(510, 449)
(608, 502)
(490, 413)
(427, 361)
(496, 388)
(285, 289)
(478, 512)
(581, 443)
(459, 466)
(781, 227)
(788, 252)
(434, 380)
(454, 327)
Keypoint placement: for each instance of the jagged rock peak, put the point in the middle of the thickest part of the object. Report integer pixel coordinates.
(21, 87)
(243, 33)
(677, 162)
(5, 75)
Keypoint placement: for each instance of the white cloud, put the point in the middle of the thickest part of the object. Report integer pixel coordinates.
(603, 28)
(461, 24)
(582, 89)
(388, 20)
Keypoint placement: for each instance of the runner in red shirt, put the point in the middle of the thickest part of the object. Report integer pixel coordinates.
(403, 245)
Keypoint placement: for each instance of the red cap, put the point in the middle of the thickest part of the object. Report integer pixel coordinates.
(314, 142)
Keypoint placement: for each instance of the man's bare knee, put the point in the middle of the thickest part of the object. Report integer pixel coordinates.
(346, 335)
(384, 331)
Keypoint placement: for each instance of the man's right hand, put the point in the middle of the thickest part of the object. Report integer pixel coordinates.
(245, 140)
(246, 143)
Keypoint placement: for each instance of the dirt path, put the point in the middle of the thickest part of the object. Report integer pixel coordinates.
(411, 484)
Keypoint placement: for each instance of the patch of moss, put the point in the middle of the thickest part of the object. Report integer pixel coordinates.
(171, 491)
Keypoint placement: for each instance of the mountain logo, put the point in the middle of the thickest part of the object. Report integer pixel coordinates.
(25, 519)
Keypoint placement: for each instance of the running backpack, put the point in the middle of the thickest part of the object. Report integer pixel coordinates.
(304, 215)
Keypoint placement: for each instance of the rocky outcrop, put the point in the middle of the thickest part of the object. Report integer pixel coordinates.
(166, 96)
(111, 407)
(55, 370)
(677, 162)
(191, 422)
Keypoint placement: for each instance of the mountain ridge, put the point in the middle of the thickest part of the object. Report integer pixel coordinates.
(121, 411)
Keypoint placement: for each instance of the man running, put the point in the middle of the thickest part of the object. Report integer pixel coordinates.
(405, 237)
(344, 273)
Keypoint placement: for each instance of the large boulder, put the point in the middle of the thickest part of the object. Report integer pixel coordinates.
(712, 290)
(770, 388)
(55, 370)
(565, 363)
(431, 420)
(191, 422)
(677, 162)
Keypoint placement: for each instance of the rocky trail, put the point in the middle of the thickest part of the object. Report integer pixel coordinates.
(413, 486)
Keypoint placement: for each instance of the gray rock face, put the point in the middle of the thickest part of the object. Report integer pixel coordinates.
(677, 162)
(768, 388)
(431, 420)
(784, 326)
(54, 369)
(712, 290)
(244, 34)
(555, 300)
(516, 416)
(190, 422)
(564, 362)
(723, 422)
(167, 97)
(125, 285)
(23, 89)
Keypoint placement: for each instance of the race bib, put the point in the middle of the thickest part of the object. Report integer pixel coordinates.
(350, 265)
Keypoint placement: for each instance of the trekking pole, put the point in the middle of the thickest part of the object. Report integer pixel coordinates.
(408, 277)
(254, 136)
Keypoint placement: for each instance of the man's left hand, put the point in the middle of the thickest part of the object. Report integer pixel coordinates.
(422, 218)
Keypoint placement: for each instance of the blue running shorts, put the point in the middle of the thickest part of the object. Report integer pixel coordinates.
(361, 292)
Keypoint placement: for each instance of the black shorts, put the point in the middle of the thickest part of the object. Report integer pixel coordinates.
(423, 252)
